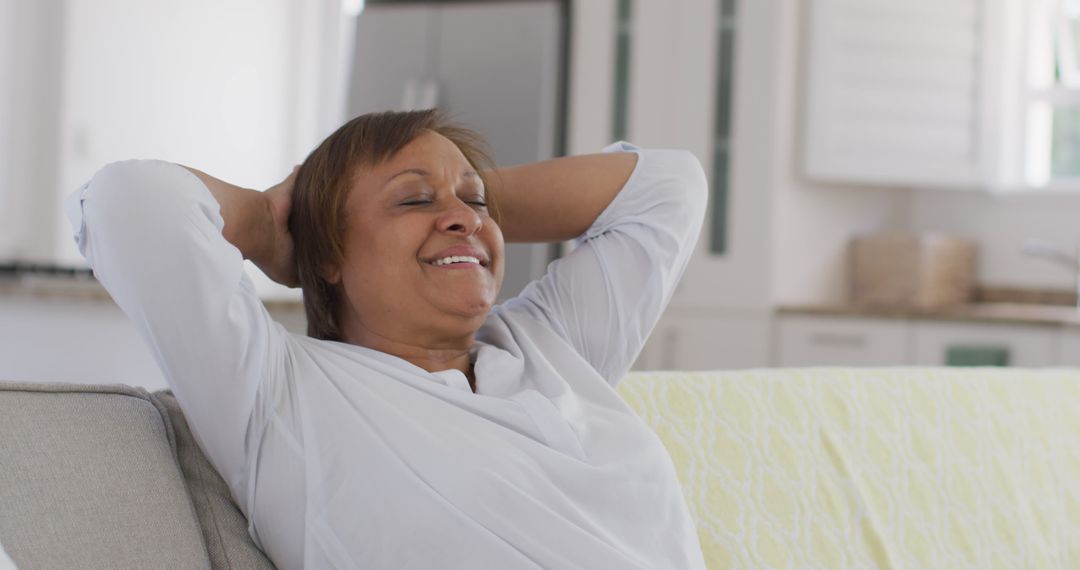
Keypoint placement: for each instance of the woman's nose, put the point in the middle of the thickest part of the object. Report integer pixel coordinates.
(459, 217)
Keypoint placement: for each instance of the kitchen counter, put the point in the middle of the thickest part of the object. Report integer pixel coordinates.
(997, 312)
(80, 285)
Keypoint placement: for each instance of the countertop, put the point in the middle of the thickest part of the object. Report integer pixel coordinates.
(992, 305)
(43, 283)
(995, 312)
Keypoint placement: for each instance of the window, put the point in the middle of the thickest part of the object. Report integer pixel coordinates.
(961, 94)
(1053, 94)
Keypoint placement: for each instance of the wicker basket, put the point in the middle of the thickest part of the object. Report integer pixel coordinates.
(923, 271)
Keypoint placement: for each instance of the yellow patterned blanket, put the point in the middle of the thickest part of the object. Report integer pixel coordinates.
(874, 468)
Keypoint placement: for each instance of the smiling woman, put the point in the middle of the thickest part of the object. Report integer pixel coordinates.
(428, 427)
(350, 191)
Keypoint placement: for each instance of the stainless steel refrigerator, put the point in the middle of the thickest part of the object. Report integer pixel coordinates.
(496, 67)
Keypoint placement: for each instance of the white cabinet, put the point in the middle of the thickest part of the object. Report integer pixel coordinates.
(805, 340)
(910, 93)
(707, 340)
(710, 340)
(1069, 347)
(720, 315)
(1024, 345)
(823, 340)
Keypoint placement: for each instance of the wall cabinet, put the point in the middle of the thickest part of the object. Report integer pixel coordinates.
(912, 93)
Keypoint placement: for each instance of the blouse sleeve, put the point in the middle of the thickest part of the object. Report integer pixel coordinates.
(605, 297)
(151, 232)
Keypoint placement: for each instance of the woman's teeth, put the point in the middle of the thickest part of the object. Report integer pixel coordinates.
(456, 259)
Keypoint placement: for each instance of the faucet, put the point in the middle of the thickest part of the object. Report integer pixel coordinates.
(1036, 248)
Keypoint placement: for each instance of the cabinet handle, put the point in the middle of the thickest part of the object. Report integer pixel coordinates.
(838, 340)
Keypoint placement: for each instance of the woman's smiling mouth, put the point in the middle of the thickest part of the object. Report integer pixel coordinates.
(456, 260)
(459, 257)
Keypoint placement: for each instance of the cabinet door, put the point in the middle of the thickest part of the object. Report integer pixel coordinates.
(1069, 347)
(1025, 345)
(714, 341)
(804, 340)
(900, 92)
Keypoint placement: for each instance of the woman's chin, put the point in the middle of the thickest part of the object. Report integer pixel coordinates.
(473, 309)
(468, 303)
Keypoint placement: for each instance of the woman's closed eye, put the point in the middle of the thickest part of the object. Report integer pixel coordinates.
(476, 202)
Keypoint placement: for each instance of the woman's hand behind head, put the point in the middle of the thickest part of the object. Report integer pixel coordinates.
(280, 261)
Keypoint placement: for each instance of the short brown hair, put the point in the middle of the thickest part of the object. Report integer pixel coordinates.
(322, 185)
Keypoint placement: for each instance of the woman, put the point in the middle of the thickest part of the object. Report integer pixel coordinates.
(418, 425)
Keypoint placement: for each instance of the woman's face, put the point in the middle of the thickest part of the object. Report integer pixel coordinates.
(423, 258)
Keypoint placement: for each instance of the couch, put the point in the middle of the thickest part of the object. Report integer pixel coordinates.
(800, 468)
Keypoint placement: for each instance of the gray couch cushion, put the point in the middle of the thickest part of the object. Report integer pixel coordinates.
(224, 525)
(89, 479)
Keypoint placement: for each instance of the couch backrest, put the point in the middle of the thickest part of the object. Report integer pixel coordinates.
(828, 468)
(224, 527)
(109, 476)
(89, 479)
(874, 468)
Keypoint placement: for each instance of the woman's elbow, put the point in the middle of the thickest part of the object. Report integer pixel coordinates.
(692, 185)
(694, 180)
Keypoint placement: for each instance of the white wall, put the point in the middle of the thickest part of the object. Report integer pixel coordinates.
(999, 224)
(199, 82)
(7, 66)
(242, 90)
(225, 87)
(813, 222)
(33, 83)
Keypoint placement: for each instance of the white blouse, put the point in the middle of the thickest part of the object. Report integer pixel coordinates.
(5, 561)
(345, 457)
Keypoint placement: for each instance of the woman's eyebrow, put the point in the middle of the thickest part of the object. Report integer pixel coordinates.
(471, 174)
(418, 171)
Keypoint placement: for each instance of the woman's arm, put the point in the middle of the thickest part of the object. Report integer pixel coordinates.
(256, 223)
(635, 222)
(152, 232)
(557, 200)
